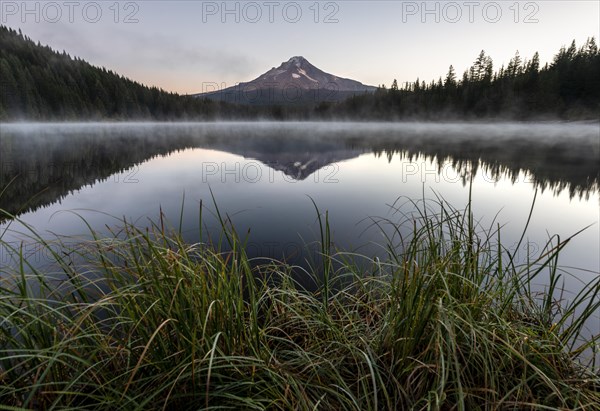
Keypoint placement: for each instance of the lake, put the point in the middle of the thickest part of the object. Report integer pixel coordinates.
(264, 177)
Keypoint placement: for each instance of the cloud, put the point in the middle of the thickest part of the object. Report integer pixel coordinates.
(135, 51)
(164, 51)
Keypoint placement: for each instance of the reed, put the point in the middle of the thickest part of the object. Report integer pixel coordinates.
(143, 320)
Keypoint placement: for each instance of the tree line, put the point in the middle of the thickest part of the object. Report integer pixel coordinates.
(566, 88)
(38, 83)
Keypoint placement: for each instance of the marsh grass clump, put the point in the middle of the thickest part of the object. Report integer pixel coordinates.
(142, 320)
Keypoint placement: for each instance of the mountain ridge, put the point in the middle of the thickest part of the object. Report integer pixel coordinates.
(295, 81)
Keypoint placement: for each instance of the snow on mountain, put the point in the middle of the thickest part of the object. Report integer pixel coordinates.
(295, 80)
(299, 72)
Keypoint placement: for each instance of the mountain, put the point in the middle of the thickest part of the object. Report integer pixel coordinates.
(295, 81)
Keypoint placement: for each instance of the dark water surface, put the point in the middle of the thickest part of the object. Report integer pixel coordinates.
(263, 175)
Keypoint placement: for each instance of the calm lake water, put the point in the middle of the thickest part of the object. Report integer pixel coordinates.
(264, 175)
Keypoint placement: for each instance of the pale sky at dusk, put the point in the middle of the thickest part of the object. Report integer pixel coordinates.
(181, 45)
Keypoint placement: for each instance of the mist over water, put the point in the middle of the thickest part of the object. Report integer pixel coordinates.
(50, 160)
(264, 174)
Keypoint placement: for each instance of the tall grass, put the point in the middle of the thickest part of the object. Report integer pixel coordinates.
(142, 320)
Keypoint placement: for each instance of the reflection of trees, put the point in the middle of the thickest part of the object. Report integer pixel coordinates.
(557, 167)
(41, 168)
(42, 165)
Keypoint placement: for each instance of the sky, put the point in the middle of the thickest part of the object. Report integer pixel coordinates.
(192, 46)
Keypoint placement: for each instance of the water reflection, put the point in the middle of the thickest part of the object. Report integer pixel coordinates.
(262, 174)
(41, 164)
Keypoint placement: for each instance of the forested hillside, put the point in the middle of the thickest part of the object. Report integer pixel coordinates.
(567, 88)
(37, 83)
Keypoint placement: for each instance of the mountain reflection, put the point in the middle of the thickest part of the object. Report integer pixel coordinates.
(41, 164)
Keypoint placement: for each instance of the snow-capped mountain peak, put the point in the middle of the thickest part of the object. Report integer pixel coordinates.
(300, 73)
(294, 77)
(297, 61)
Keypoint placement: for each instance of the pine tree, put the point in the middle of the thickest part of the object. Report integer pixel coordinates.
(450, 81)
